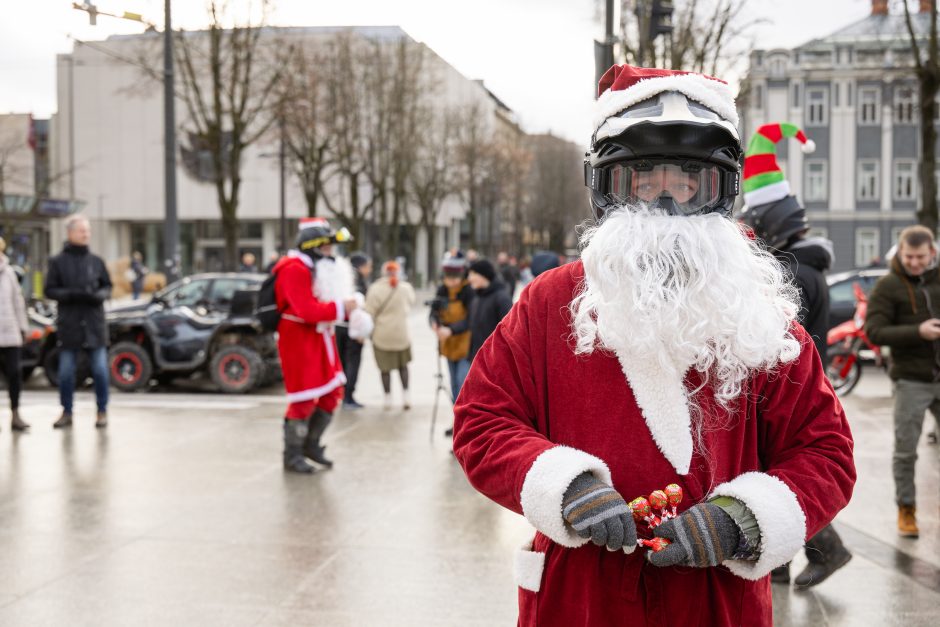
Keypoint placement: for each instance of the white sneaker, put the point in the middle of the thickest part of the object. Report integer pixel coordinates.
(387, 404)
(406, 399)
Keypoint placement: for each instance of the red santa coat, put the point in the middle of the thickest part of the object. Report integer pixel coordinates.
(532, 416)
(306, 340)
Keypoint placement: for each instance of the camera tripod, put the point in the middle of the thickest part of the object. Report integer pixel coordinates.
(437, 393)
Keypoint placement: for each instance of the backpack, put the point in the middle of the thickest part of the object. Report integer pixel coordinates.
(266, 311)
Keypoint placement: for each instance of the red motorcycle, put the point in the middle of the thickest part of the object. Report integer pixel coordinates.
(848, 345)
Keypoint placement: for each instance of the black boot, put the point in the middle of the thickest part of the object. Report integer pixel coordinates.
(317, 423)
(781, 574)
(826, 555)
(294, 433)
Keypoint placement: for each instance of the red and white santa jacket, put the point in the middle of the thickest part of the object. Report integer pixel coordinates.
(306, 340)
(532, 416)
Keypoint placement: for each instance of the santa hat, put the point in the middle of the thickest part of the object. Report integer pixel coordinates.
(764, 181)
(625, 85)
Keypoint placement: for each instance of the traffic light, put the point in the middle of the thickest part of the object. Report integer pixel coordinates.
(660, 18)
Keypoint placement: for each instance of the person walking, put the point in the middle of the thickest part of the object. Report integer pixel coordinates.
(490, 305)
(312, 294)
(777, 219)
(904, 314)
(350, 348)
(79, 282)
(14, 326)
(669, 353)
(139, 271)
(389, 301)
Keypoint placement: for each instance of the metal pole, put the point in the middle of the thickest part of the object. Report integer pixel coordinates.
(171, 233)
(281, 158)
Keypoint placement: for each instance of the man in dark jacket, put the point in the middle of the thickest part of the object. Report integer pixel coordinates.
(79, 281)
(780, 223)
(350, 350)
(491, 304)
(904, 313)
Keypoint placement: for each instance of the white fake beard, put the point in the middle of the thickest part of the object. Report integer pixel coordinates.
(684, 292)
(333, 280)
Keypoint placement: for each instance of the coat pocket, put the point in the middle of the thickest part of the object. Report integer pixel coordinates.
(528, 568)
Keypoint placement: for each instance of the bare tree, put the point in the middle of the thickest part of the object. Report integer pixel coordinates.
(307, 123)
(927, 70)
(709, 36)
(557, 196)
(473, 145)
(228, 90)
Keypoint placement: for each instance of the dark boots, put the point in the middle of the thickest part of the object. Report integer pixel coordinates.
(781, 574)
(64, 421)
(317, 423)
(826, 555)
(294, 433)
(17, 423)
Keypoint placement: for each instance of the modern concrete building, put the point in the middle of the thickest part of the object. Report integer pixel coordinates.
(109, 133)
(854, 93)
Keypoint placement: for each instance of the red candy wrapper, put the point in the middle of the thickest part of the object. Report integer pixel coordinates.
(674, 494)
(656, 544)
(659, 500)
(641, 511)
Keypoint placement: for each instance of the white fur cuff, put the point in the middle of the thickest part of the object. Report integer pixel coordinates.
(544, 489)
(779, 516)
(528, 567)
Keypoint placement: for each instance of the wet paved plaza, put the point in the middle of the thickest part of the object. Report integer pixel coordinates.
(180, 514)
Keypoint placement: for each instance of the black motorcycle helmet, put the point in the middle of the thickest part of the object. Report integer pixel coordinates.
(664, 147)
(316, 232)
(776, 223)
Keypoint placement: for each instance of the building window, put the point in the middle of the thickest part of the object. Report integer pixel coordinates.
(817, 103)
(896, 234)
(867, 180)
(905, 181)
(758, 96)
(866, 245)
(904, 105)
(796, 96)
(835, 102)
(817, 180)
(869, 101)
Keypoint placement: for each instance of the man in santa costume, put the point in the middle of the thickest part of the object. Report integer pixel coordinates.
(314, 291)
(670, 354)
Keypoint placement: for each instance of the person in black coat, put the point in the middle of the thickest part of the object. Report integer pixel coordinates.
(350, 350)
(491, 304)
(79, 282)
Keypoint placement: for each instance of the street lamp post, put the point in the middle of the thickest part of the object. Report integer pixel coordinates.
(281, 159)
(171, 234)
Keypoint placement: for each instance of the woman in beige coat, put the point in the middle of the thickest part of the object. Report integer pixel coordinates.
(389, 301)
(13, 328)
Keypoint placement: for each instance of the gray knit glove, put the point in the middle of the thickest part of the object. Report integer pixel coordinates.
(703, 535)
(596, 511)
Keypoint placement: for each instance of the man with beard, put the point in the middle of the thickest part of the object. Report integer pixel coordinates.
(777, 219)
(313, 292)
(669, 354)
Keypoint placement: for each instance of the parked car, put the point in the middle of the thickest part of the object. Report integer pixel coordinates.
(40, 342)
(842, 292)
(201, 323)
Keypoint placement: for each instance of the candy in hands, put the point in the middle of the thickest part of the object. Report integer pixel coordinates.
(655, 544)
(674, 495)
(641, 511)
(659, 500)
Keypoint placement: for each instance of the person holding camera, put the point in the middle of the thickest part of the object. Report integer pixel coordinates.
(450, 312)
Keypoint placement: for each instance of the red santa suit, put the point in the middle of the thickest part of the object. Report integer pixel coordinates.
(313, 373)
(533, 415)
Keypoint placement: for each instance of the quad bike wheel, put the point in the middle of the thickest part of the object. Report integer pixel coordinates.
(130, 366)
(236, 369)
(843, 369)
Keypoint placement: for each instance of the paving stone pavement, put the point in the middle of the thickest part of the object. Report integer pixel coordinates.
(179, 514)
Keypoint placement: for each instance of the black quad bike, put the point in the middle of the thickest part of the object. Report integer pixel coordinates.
(203, 323)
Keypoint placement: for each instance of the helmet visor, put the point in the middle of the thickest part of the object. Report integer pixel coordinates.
(691, 187)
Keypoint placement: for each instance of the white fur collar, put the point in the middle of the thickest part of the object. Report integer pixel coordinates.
(663, 401)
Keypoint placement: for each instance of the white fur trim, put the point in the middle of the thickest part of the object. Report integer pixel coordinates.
(779, 516)
(712, 93)
(361, 323)
(340, 311)
(809, 146)
(767, 193)
(664, 403)
(527, 568)
(544, 489)
(309, 394)
(296, 254)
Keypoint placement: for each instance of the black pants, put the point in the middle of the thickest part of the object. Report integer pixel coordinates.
(10, 355)
(350, 354)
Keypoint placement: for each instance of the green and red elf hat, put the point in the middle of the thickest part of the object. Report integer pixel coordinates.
(764, 181)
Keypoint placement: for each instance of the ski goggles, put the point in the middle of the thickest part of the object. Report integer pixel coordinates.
(681, 188)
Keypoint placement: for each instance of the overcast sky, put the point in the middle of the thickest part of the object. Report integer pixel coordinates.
(535, 55)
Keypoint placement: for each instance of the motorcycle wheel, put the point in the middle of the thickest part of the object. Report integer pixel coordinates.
(130, 366)
(844, 371)
(236, 369)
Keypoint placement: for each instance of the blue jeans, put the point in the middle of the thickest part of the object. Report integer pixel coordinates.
(99, 372)
(458, 372)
